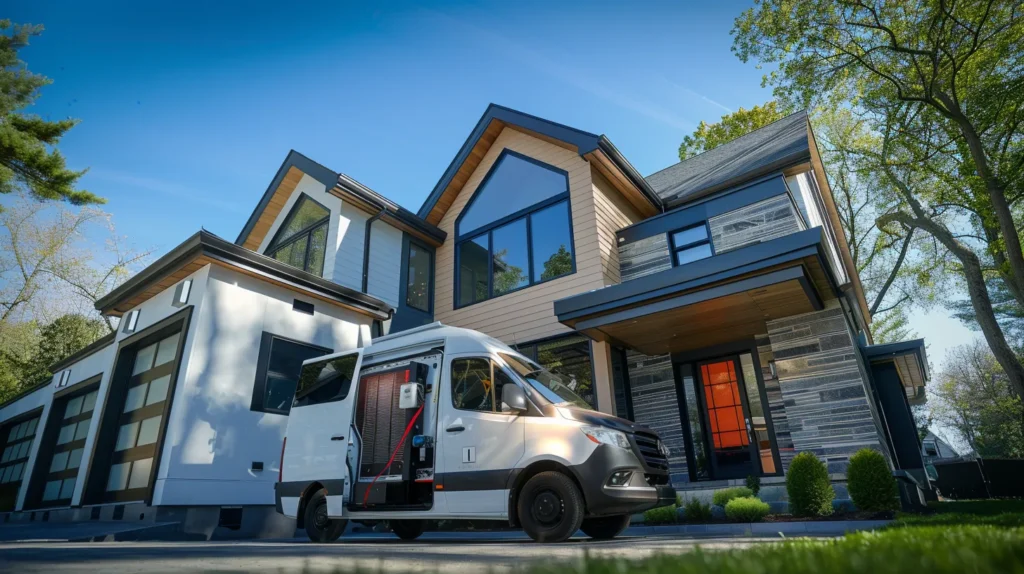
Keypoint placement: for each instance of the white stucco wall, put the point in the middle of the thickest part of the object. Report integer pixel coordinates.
(213, 436)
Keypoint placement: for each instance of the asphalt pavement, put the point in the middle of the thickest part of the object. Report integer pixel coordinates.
(434, 552)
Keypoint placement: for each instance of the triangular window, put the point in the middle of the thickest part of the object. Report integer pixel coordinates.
(515, 182)
(302, 240)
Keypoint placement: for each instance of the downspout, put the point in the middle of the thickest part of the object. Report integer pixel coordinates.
(366, 249)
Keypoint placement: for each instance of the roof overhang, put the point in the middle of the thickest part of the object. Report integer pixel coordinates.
(911, 363)
(205, 248)
(296, 165)
(594, 148)
(718, 300)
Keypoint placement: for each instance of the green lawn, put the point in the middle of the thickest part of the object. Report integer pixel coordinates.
(1002, 513)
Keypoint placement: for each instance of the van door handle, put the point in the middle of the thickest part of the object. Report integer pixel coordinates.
(338, 437)
(455, 428)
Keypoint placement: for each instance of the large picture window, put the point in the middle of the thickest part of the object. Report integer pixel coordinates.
(567, 357)
(302, 240)
(515, 232)
(277, 372)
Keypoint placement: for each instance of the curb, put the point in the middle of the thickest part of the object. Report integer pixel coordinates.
(748, 529)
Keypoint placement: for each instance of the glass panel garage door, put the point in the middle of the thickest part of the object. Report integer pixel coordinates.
(63, 466)
(141, 421)
(15, 444)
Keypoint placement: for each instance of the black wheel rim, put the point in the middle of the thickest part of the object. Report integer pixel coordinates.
(547, 508)
(320, 518)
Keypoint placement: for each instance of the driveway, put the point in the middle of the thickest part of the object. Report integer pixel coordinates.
(438, 552)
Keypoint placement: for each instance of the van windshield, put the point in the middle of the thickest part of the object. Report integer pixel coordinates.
(549, 385)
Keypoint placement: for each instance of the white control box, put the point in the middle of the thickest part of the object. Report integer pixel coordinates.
(410, 396)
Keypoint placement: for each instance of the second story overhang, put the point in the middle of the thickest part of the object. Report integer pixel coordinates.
(717, 300)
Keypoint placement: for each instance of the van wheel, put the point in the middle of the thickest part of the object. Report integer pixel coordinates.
(550, 507)
(605, 527)
(407, 529)
(320, 527)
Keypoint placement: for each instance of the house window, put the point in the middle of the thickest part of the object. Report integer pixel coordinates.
(691, 244)
(421, 269)
(302, 240)
(930, 449)
(567, 357)
(16, 447)
(277, 372)
(515, 232)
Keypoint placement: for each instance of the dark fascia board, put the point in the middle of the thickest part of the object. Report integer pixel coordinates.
(782, 164)
(303, 164)
(382, 203)
(206, 243)
(722, 267)
(585, 143)
(83, 352)
(627, 168)
(891, 350)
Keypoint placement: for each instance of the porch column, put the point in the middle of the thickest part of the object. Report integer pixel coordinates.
(605, 397)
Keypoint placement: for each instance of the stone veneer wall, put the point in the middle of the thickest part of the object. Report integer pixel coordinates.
(754, 223)
(823, 390)
(656, 405)
(644, 257)
(776, 404)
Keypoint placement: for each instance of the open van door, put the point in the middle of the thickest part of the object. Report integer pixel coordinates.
(320, 425)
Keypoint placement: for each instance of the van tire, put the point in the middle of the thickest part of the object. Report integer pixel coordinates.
(320, 528)
(605, 527)
(407, 529)
(550, 507)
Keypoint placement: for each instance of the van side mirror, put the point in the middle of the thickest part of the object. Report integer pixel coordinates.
(513, 398)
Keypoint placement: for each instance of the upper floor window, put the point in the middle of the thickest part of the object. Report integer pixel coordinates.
(691, 244)
(417, 289)
(302, 240)
(515, 231)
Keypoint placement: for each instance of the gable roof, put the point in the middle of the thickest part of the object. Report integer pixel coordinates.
(296, 165)
(772, 147)
(590, 146)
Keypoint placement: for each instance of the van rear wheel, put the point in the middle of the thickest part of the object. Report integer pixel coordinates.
(550, 507)
(605, 527)
(407, 529)
(319, 526)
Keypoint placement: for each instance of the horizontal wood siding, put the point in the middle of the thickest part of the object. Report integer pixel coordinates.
(528, 314)
(385, 271)
(612, 213)
(348, 263)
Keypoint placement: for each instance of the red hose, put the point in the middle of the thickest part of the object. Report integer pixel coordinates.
(401, 441)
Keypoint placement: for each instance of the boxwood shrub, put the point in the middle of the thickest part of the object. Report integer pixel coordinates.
(662, 515)
(810, 491)
(746, 509)
(870, 482)
(722, 497)
(696, 511)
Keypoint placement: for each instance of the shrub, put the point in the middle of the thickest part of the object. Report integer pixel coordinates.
(746, 509)
(870, 482)
(722, 497)
(754, 484)
(697, 511)
(808, 486)
(662, 515)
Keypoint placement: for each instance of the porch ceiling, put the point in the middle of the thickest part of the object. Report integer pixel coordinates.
(707, 316)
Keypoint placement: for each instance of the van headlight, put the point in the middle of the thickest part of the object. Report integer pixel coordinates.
(602, 435)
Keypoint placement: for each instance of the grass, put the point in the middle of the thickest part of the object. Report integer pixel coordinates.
(1000, 513)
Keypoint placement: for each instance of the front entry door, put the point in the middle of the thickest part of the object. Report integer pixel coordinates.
(727, 418)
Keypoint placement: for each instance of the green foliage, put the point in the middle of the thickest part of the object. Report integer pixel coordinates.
(1002, 513)
(558, 264)
(754, 483)
(810, 491)
(23, 367)
(746, 509)
(661, 515)
(731, 126)
(870, 482)
(979, 550)
(722, 497)
(28, 159)
(697, 511)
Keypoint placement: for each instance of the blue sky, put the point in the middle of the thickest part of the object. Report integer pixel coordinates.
(187, 110)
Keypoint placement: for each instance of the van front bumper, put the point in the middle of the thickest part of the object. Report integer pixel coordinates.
(637, 495)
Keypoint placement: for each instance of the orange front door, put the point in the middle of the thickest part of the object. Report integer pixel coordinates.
(727, 420)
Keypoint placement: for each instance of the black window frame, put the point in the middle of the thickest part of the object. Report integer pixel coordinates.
(277, 243)
(487, 230)
(259, 388)
(676, 249)
(430, 276)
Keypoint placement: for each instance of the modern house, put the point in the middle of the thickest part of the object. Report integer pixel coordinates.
(715, 301)
(934, 449)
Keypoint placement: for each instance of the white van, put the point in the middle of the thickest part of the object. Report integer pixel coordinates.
(445, 423)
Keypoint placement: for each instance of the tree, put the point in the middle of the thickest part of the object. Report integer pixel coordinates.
(942, 81)
(730, 127)
(28, 159)
(973, 399)
(558, 264)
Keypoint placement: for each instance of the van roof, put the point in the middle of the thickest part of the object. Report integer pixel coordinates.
(455, 338)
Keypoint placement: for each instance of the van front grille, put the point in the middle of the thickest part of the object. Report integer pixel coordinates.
(647, 448)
